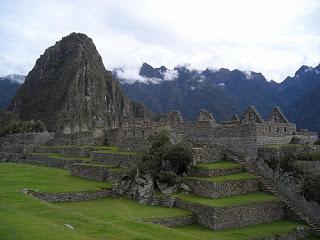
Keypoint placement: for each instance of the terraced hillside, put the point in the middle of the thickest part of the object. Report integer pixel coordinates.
(224, 201)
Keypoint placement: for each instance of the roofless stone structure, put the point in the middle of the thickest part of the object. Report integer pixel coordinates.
(241, 135)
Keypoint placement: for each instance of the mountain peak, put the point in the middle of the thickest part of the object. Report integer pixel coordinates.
(69, 89)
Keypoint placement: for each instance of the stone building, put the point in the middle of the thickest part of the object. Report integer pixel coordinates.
(242, 135)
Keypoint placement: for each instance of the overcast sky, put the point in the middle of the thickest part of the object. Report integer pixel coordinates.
(274, 37)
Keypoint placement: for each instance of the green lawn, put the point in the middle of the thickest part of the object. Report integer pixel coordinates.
(129, 209)
(231, 177)
(244, 199)
(24, 217)
(218, 165)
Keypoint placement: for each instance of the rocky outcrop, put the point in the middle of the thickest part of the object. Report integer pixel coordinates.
(69, 89)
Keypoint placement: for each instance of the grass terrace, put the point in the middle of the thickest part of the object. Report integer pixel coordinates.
(23, 217)
(235, 200)
(231, 177)
(60, 156)
(218, 165)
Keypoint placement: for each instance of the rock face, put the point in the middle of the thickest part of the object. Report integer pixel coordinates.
(69, 89)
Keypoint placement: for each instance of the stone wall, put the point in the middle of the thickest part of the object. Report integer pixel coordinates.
(27, 138)
(223, 188)
(174, 222)
(90, 171)
(66, 151)
(71, 196)
(205, 172)
(49, 162)
(10, 157)
(236, 216)
(115, 159)
(99, 172)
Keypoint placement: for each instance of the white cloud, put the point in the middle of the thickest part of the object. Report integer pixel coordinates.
(274, 37)
(170, 75)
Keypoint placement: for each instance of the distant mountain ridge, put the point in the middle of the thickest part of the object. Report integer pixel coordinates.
(224, 92)
(8, 87)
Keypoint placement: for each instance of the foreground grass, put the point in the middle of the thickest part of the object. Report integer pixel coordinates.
(218, 165)
(231, 177)
(23, 217)
(44, 179)
(244, 199)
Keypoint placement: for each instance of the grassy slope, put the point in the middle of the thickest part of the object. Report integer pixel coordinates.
(26, 218)
(218, 165)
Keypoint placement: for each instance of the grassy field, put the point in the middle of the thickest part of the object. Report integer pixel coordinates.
(231, 177)
(218, 165)
(23, 217)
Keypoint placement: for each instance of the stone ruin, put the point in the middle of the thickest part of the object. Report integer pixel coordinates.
(241, 135)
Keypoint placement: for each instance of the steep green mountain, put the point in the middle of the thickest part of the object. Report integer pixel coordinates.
(69, 89)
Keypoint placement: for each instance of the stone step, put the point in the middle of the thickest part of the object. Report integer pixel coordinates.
(283, 229)
(100, 172)
(117, 159)
(174, 221)
(232, 212)
(49, 161)
(215, 169)
(223, 186)
(68, 151)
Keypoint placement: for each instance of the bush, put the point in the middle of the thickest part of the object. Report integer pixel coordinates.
(170, 177)
(164, 156)
(317, 142)
(17, 126)
(178, 159)
(295, 140)
(311, 188)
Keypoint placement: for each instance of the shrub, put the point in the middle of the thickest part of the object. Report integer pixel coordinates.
(178, 159)
(311, 188)
(317, 142)
(164, 156)
(168, 177)
(294, 140)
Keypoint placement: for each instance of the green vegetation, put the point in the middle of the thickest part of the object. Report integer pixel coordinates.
(231, 177)
(218, 165)
(60, 156)
(109, 207)
(165, 156)
(44, 179)
(235, 200)
(23, 217)
(18, 126)
(311, 156)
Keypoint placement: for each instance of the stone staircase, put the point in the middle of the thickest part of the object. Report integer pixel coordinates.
(315, 228)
